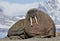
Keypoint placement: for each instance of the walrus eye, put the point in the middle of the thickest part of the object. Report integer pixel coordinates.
(36, 19)
(31, 20)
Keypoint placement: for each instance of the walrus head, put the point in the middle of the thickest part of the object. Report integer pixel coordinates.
(32, 14)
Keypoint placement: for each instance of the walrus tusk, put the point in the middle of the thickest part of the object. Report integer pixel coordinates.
(36, 19)
(31, 20)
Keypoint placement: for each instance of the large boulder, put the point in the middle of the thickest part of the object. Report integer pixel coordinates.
(17, 30)
(39, 23)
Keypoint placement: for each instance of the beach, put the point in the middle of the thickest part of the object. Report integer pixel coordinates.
(34, 39)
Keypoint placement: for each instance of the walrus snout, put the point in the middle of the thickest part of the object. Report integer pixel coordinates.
(31, 20)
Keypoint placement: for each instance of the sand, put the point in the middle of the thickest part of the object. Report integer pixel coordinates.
(34, 39)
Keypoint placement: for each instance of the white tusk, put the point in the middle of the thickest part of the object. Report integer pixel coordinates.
(31, 20)
(36, 19)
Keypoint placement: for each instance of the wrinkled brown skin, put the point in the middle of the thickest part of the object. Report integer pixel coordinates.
(17, 29)
(45, 26)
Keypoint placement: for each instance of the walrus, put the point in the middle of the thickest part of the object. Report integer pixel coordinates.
(17, 30)
(39, 23)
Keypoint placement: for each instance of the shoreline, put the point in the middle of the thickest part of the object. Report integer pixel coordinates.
(57, 38)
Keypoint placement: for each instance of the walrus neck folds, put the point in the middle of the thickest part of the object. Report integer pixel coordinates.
(32, 21)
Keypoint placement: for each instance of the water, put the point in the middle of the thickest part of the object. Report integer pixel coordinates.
(3, 32)
(3, 35)
(58, 30)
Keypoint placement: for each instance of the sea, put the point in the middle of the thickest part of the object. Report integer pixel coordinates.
(3, 32)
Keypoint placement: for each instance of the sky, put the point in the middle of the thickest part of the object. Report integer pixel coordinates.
(23, 1)
(18, 7)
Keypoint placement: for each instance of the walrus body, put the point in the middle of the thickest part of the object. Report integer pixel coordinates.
(36, 23)
(42, 25)
(17, 29)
